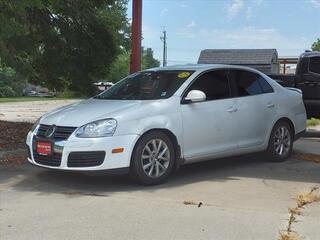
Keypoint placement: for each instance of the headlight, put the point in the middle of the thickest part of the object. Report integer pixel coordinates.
(101, 128)
(35, 125)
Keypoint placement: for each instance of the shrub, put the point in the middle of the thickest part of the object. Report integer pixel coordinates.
(313, 122)
(7, 92)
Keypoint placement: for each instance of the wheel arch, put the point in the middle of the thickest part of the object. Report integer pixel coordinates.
(174, 140)
(270, 151)
(289, 121)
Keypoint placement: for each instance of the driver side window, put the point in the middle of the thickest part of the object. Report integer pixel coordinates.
(215, 84)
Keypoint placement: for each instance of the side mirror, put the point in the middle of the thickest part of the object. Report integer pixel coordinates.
(195, 96)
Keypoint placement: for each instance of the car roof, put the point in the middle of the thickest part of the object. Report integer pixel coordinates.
(193, 67)
(198, 67)
(310, 54)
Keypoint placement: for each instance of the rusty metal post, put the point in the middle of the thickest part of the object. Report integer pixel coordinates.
(135, 58)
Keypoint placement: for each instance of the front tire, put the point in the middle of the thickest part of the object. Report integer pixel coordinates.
(153, 158)
(280, 143)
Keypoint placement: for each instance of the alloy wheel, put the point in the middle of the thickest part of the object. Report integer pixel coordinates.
(282, 141)
(155, 158)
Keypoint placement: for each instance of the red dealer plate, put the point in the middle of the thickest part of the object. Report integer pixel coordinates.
(44, 148)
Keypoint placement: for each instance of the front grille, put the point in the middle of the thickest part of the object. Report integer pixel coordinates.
(86, 159)
(54, 160)
(61, 133)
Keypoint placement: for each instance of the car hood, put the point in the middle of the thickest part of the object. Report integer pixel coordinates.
(83, 112)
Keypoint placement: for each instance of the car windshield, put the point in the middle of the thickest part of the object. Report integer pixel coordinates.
(147, 85)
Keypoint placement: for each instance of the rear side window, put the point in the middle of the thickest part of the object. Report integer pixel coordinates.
(247, 83)
(266, 87)
(214, 84)
(314, 65)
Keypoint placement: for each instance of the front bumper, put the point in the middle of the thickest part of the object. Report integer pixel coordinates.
(63, 149)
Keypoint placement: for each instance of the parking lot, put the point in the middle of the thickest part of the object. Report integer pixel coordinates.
(234, 198)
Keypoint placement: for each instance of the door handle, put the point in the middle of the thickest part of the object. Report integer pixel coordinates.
(232, 109)
(270, 105)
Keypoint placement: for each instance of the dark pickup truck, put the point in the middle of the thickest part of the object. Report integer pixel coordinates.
(307, 78)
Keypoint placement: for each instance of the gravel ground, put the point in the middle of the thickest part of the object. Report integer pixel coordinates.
(30, 111)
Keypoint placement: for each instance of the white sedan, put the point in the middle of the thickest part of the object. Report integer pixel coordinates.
(153, 121)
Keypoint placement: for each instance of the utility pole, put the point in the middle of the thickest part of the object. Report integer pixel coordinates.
(135, 58)
(164, 39)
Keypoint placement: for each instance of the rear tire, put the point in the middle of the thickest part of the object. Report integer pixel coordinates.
(280, 142)
(153, 158)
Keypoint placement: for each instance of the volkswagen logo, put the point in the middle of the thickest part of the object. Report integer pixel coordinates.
(50, 131)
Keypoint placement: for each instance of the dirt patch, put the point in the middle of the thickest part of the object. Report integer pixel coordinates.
(13, 135)
(307, 157)
(13, 158)
(12, 142)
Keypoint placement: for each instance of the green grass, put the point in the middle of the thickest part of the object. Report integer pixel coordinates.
(28, 99)
(313, 122)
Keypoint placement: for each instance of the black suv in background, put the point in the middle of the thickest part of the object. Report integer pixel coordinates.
(307, 78)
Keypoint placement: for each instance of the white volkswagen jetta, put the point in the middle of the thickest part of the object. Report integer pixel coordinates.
(153, 121)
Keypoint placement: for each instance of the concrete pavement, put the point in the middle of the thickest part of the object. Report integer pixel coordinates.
(310, 145)
(243, 198)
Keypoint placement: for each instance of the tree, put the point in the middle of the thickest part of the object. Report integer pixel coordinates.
(316, 45)
(120, 67)
(63, 44)
(11, 83)
(148, 61)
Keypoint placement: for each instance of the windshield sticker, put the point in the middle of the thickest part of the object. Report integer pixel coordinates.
(183, 75)
(163, 94)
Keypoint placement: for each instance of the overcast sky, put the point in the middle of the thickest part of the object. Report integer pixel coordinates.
(290, 26)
